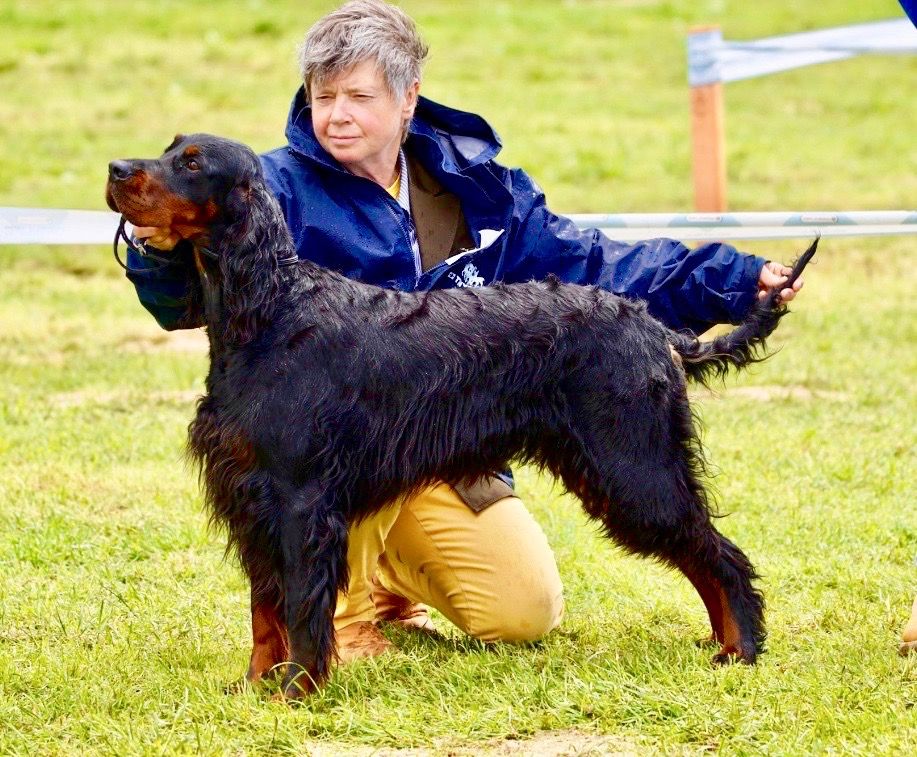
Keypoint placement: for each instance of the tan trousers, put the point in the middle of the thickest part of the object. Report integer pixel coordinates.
(491, 573)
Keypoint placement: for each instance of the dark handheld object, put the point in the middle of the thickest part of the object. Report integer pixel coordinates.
(773, 297)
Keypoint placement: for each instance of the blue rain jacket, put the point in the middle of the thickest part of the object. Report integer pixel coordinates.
(352, 225)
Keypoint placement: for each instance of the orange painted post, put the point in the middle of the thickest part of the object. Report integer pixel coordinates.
(709, 147)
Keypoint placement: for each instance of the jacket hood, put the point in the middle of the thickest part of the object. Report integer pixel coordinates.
(464, 139)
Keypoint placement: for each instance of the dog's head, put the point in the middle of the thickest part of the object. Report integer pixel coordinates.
(199, 181)
(211, 191)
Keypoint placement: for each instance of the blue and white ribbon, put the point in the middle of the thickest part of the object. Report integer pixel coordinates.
(712, 59)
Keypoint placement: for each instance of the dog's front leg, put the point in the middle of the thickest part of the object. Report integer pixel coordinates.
(270, 646)
(315, 568)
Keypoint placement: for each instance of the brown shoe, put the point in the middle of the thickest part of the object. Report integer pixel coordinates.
(360, 639)
(392, 608)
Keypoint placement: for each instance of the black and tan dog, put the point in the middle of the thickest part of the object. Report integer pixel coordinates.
(327, 399)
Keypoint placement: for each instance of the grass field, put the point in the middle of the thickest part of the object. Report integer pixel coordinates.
(120, 625)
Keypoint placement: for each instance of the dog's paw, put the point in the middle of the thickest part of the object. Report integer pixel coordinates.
(297, 684)
(729, 655)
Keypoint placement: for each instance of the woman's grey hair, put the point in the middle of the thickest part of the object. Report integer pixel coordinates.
(363, 30)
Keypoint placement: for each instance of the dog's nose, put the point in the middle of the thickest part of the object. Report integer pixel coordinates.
(119, 170)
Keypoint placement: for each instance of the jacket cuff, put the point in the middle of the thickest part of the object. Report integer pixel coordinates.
(163, 290)
(748, 286)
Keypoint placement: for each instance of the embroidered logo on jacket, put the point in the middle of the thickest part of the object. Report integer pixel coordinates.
(470, 277)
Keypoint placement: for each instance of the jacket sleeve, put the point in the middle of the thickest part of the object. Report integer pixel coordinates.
(684, 288)
(170, 292)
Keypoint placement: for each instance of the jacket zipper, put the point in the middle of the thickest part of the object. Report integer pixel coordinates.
(399, 217)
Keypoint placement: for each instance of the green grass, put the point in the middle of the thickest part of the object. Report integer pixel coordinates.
(120, 624)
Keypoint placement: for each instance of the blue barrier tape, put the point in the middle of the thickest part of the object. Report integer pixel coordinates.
(712, 59)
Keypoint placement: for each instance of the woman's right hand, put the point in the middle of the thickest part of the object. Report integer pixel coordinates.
(161, 239)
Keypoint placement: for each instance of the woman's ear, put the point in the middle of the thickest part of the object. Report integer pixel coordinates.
(410, 101)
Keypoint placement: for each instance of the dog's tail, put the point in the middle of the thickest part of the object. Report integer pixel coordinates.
(743, 345)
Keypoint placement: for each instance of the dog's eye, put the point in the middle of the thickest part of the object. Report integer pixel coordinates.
(192, 165)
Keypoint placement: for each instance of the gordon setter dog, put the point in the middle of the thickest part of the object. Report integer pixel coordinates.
(328, 399)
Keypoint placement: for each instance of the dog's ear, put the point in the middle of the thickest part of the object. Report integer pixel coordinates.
(248, 260)
(175, 141)
(237, 205)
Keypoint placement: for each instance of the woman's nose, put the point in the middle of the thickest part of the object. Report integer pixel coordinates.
(340, 111)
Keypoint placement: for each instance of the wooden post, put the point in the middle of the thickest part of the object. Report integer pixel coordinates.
(709, 148)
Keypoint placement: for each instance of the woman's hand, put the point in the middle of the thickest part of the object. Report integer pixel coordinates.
(161, 239)
(773, 275)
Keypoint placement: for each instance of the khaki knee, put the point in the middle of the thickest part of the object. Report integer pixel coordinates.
(491, 573)
(515, 618)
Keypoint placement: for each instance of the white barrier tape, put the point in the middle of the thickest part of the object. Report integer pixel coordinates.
(732, 233)
(766, 218)
(712, 59)
(47, 226)
(24, 226)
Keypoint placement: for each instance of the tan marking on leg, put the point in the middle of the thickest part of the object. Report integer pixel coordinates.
(270, 646)
(732, 637)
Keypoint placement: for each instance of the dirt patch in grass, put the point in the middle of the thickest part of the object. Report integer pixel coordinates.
(185, 341)
(774, 392)
(570, 743)
(83, 397)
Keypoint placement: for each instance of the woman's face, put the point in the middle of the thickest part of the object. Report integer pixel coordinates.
(359, 121)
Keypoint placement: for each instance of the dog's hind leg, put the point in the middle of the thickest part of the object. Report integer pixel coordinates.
(722, 575)
(314, 546)
(642, 482)
(683, 537)
(720, 572)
